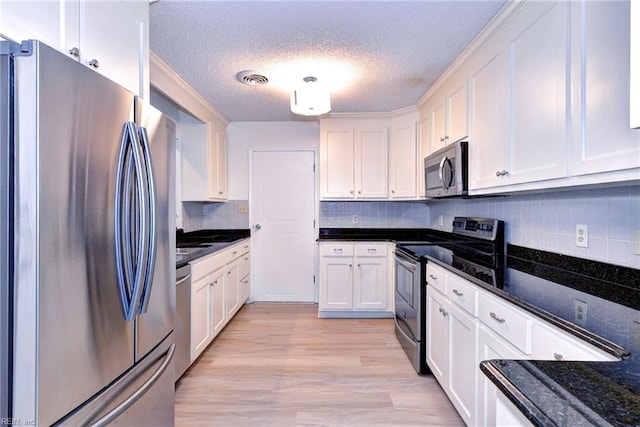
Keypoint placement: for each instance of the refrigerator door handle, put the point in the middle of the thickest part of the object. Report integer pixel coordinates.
(133, 398)
(131, 224)
(124, 263)
(153, 232)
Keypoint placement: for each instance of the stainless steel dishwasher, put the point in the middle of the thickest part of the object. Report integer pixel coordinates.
(183, 319)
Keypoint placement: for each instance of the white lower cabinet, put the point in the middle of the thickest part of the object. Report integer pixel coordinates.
(467, 325)
(354, 279)
(491, 346)
(451, 352)
(217, 293)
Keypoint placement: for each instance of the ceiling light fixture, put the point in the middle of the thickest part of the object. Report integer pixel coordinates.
(310, 98)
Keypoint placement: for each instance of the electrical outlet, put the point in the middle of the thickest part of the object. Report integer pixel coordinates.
(440, 220)
(580, 312)
(243, 208)
(355, 219)
(582, 235)
(636, 242)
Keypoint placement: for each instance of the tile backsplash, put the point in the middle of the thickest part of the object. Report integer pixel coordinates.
(374, 214)
(219, 216)
(547, 221)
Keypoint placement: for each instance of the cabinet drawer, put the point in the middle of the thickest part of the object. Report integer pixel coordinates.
(208, 264)
(551, 343)
(371, 250)
(336, 249)
(463, 294)
(507, 321)
(436, 277)
(244, 266)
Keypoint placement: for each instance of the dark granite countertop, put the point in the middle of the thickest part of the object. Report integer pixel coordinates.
(547, 284)
(196, 244)
(382, 234)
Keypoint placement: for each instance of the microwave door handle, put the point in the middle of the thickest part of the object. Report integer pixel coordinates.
(441, 171)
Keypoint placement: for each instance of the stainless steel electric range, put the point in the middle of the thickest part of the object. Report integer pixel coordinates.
(475, 247)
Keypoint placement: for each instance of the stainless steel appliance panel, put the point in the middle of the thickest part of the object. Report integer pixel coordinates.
(446, 171)
(6, 240)
(183, 320)
(156, 322)
(143, 396)
(66, 192)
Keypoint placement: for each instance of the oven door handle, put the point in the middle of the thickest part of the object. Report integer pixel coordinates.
(406, 261)
(399, 326)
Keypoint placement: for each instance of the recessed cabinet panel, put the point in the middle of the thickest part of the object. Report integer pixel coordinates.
(457, 121)
(602, 139)
(372, 166)
(539, 75)
(403, 169)
(489, 117)
(337, 163)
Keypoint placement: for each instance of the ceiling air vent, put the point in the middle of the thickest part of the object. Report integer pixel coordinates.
(252, 78)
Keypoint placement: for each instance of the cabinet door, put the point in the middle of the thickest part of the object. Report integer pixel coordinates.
(437, 336)
(337, 161)
(491, 347)
(464, 372)
(114, 36)
(196, 160)
(336, 283)
(456, 102)
(439, 123)
(425, 144)
(403, 161)
(370, 283)
(232, 297)
(539, 54)
(217, 167)
(601, 138)
(372, 162)
(201, 331)
(38, 20)
(218, 312)
(489, 116)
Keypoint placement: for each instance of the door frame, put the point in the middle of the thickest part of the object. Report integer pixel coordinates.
(316, 208)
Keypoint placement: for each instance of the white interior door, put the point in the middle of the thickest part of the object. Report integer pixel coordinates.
(283, 222)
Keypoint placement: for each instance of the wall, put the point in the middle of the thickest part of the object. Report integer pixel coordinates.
(374, 214)
(547, 221)
(244, 136)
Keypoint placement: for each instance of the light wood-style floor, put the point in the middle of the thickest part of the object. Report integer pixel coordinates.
(279, 365)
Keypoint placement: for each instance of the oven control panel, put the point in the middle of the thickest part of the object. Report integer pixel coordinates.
(480, 228)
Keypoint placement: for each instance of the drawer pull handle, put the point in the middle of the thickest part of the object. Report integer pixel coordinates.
(496, 318)
(337, 250)
(371, 250)
(234, 252)
(443, 311)
(246, 259)
(433, 277)
(457, 292)
(558, 356)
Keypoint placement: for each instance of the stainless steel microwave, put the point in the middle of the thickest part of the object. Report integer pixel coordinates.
(446, 171)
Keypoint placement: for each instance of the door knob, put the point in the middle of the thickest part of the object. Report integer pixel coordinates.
(257, 226)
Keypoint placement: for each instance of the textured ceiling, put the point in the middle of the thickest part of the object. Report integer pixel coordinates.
(375, 56)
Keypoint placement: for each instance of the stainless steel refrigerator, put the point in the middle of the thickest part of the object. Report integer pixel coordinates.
(87, 296)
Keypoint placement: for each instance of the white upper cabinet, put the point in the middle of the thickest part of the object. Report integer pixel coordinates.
(203, 149)
(114, 40)
(518, 85)
(403, 158)
(354, 159)
(111, 37)
(337, 162)
(372, 161)
(602, 140)
(447, 111)
(489, 111)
